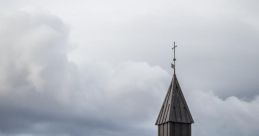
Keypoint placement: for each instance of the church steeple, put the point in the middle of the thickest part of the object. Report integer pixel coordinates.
(174, 108)
(175, 118)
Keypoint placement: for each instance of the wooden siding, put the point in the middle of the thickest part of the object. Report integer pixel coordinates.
(174, 129)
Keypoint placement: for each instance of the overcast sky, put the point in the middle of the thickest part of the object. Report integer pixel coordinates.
(102, 68)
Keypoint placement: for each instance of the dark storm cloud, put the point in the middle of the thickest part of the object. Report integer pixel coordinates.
(43, 93)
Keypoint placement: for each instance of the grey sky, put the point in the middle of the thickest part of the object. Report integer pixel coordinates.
(101, 68)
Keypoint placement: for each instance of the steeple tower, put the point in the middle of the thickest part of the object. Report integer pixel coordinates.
(175, 118)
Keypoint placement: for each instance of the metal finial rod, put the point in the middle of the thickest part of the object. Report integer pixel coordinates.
(173, 65)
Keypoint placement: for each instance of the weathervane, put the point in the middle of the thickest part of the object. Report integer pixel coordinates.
(173, 65)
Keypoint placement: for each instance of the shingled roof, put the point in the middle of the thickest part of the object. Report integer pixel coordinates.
(175, 108)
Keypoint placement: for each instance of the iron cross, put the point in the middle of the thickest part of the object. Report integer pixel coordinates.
(173, 65)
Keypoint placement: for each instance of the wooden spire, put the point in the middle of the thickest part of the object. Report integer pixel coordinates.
(174, 108)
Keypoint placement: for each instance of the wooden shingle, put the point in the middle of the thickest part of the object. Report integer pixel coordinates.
(174, 108)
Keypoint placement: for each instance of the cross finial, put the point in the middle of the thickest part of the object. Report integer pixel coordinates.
(173, 65)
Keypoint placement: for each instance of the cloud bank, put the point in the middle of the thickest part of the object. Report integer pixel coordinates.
(43, 93)
(50, 86)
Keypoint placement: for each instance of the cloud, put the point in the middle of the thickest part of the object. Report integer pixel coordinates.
(229, 117)
(43, 93)
(217, 39)
(103, 71)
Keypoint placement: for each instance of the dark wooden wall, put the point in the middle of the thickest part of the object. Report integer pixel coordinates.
(174, 129)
